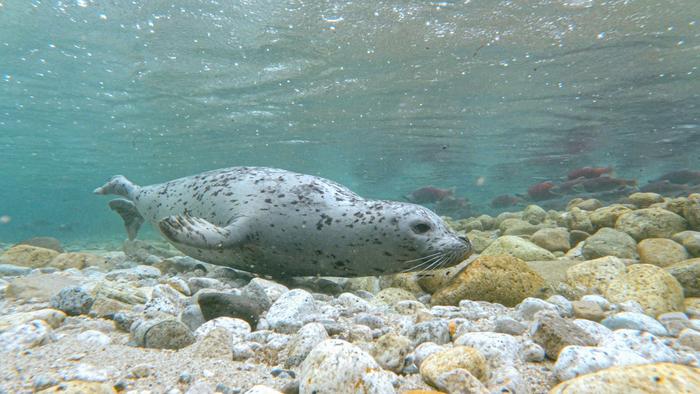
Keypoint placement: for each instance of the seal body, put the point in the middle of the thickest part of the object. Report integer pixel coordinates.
(280, 223)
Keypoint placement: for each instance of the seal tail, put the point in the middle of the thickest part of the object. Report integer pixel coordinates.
(131, 216)
(119, 186)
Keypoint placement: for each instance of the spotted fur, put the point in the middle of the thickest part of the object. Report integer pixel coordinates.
(281, 223)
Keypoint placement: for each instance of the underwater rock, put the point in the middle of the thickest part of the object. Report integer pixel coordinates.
(652, 287)
(552, 239)
(28, 256)
(434, 280)
(43, 242)
(458, 357)
(575, 361)
(286, 315)
(595, 275)
(310, 335)
(393, 295)
(214, 343)
(607, 216)
(650, 223)
(78, 260)
(237, 329)
(610, 242)
(634, 321)
(215, 304)
(161, 334)
(517, 247)
(51, 316)
(481, 240)
(13, 270)
(336, 366)
(74, 300)
(690, 240)
(554, 333)
(687, 273)
(534, 214)
(661, 252)
(390, 351)
(588, 310)
(26, 335)
(644, 200)
(691, 211)
(40, 287)
(577, 219)
(503, 279)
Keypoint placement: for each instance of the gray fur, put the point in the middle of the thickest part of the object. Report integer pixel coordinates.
(281, 223)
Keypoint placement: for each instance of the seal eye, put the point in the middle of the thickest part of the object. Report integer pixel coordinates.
(421, 228)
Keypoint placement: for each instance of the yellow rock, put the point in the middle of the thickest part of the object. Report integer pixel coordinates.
(77, 260)
(503, 279)
(643, 200)
(595, 274)
(407, 281)
(53, 317)
(392, 295)
(687, 273)
(606, 216)
(28, 256)
(432, 281)
(661, 378)
(656, 290)
(463, 357)
(661, 252)
(650, 223)
(517, 247)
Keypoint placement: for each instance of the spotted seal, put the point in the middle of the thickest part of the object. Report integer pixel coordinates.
(280, 223)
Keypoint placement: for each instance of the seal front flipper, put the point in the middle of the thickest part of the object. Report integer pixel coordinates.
(197, 232)
(131, 216)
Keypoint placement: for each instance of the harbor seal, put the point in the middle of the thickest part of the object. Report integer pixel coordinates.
(284, 224)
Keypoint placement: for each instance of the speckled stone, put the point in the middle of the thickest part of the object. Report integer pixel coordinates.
(610, 242)
(690, 240)
(392, 295)
(517, 247)
(552, 239)
(595, 275)
(687, 273)
(28, 256)
(661, 252)
(303, 342)
(80, 387)
(650, 223)
(554, 333)
(651, 378)
(336, 366)
(588, 310)
(502, 279)
(654, 288)
(635, 321)
(74, 300)
(574, 361)
(463, 357)
(390, 351)
(607, 216)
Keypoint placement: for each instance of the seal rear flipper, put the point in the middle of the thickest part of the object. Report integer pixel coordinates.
(131, 216)
(196, 232)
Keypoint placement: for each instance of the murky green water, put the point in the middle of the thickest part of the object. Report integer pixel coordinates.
(384, 97)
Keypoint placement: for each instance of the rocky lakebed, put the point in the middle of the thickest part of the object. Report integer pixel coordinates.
(593, 298)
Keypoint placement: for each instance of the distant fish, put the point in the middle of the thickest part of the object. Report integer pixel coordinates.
(429, 194)
(605, 183)
(541, 191)
(574, 185)
(681, 177)
(504, 201)
(589, 172)
(663, 186)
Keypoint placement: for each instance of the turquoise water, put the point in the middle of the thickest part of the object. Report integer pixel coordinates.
(384, 97)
